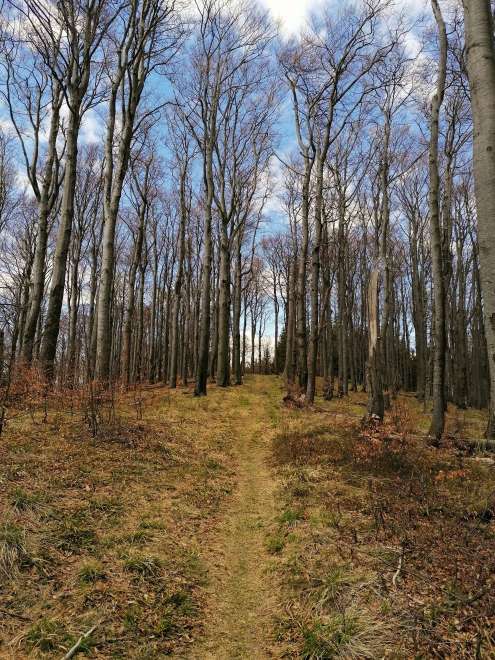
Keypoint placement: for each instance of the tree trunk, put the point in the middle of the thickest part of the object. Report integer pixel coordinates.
(291, 313)
(174, 347)
(376, 404)
(223, 370)
(301, 338)
(125, 368)
(45, 207)
(315, 281)
(56, 296)
(204, 327)
(74, 304)
(438, 418)
(236, 321)
(480, 49)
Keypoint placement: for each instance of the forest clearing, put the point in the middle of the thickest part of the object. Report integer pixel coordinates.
(233, 526)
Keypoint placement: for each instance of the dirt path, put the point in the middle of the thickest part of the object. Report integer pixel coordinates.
(241, 597)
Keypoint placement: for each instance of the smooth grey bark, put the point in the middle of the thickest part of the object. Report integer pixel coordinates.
(343, 384)
(321, 154)
(291, 322)
(204, 325)
(85, 28)
(55, 299)
(174, 346)
(300, 302)
(46, 200)
(125, 368)
(376, 405)
(236, 313)
(307, 152)
(114, 176)
(142, 42)
(92, 312)
(378, 368)
(74, 296)
(223, 370)
(439, 332)
(480, 51)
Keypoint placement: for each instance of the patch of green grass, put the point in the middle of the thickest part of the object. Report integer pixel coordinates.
(138, 537)
(300, 490)
(290, 517)
(108, 506)
(338, 580)
(144, 566)
(178, 605)
(166, 627)
(73, 531)
(90, 572)
(132, 617)
(182, 602)
(22, 501)
(13, 553)
(349, 635)
(46, 635)
(333, 519)
(151, 524)
(75, 539)
(275, 544)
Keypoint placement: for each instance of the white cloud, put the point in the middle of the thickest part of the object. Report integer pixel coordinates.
(92, 128)
(23, 183)
(292, 14)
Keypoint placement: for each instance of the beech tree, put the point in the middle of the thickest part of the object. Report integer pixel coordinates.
(147, 38)
(480, 52)
(328, 79)
(307, 206)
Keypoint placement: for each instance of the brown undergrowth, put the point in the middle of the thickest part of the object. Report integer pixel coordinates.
(154, 516)
(102, 525)
(386, 547)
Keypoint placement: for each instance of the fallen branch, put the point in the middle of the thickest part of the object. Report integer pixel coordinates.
(399, 567)
(72, 652)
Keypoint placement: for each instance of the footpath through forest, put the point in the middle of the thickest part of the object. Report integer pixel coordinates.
(242, 592)
(234, 527)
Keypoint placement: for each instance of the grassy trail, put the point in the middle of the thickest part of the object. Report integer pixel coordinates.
(241, 593)
(233, 527)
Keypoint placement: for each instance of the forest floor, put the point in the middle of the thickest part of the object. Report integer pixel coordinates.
(233, 526)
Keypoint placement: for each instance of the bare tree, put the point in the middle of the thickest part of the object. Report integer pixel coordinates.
(32, 96)
(480, 50)
(147, 38)
(438, 419)
(66, 37)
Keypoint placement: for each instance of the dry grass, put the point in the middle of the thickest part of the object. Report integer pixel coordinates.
(370, 543)
(392, 554)
(108, 529)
